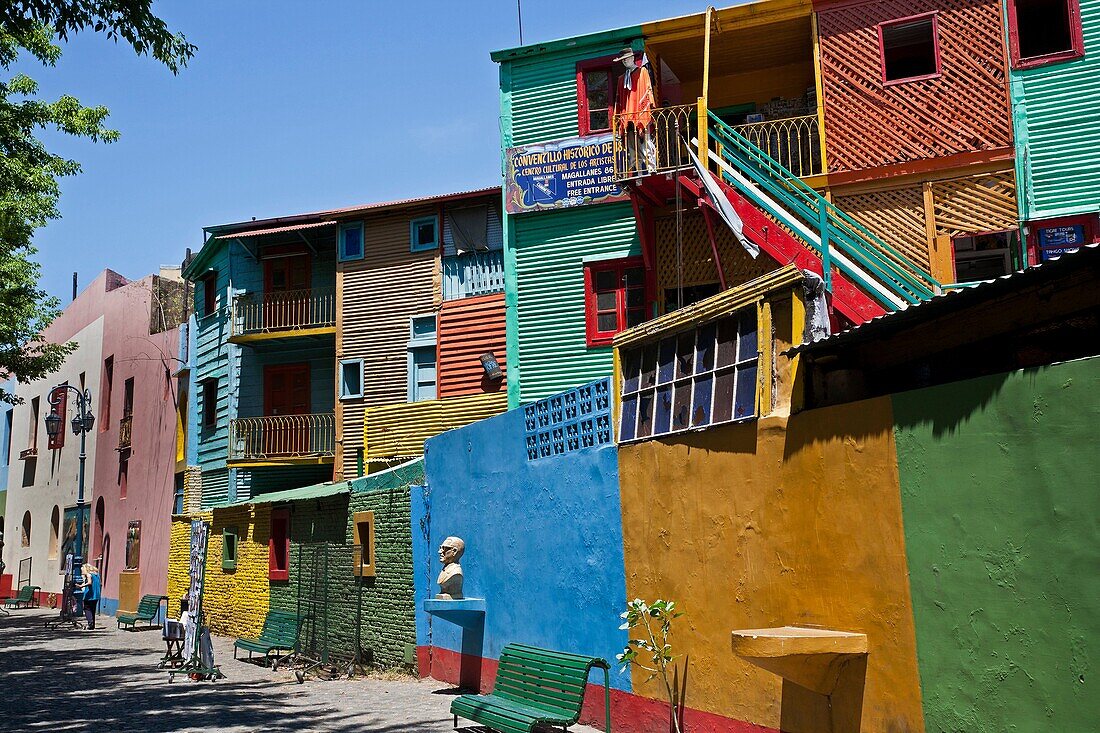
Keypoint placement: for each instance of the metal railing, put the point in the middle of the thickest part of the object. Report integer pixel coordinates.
(283, 436)
(125, 431)
(650, 142)
(792, 141)
(288, 310)
(478, 273)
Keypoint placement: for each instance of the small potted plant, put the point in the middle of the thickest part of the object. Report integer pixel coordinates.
(651, 651)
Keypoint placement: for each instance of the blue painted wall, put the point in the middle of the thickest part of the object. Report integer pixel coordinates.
(543, 541)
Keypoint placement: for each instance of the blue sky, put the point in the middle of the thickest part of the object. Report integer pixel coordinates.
(287, 107)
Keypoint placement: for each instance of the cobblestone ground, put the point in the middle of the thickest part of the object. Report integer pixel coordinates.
(106, 680)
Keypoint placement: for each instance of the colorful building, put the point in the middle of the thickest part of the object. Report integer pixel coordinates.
(1055, 102)
(861, 531)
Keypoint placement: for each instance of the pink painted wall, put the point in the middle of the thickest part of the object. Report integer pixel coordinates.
(150, 360)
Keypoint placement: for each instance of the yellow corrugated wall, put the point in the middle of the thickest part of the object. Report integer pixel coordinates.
(396, 431)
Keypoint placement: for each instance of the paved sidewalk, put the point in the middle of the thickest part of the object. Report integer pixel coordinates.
(106, 680)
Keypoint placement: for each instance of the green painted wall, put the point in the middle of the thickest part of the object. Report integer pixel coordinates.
(1056, 114)
(999, 492)
(548, 335)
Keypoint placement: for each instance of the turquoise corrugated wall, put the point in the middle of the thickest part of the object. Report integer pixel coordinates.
(1056, 112)
(550, 251)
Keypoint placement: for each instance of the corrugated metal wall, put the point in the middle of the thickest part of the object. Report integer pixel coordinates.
(550, 251)
(399, 431)
(215, 488)
(965, 109)
(1057, 116)
(378, 296)
(469, 328)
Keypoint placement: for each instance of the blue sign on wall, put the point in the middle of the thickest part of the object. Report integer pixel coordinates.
(1057, 241)
(562, 174)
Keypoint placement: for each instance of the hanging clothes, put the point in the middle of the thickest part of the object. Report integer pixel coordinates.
(635, 99)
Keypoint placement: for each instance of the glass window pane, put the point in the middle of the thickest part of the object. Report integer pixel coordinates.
(681, 405)
(595, 87)
(598, 119)
(723, 396)
(634, 277)
(685, 354)
(645, 414)
(629, 417)
(423, 326)
(606, 280)
(632, 360)
(700, 404)
(606, 301)
(748, 349)
(704, 349)
(662, 418)
(649, 366)
(635, 298)
(607, 322)
(425, 233)
(727, 341)
(666, 360)
(745, 404)
(635, 317)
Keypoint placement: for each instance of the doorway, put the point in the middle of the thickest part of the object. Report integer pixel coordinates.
(287, 283)
(287, 396)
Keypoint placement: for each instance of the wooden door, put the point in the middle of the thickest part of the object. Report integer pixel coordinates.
(286, 291)
(287, 400)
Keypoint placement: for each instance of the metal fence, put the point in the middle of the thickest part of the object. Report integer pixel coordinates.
(283, 436)
(654, 141)
(330, 605)
(290, 310)
(792, 141)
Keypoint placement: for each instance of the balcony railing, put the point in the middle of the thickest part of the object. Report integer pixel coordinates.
(794, 142)
(284, 311)
(653, 141)
(478, 273)
(125, 431)
(283, 437)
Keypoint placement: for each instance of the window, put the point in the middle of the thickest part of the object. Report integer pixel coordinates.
(910, 48)
(596, 87)
(9, 416)
(58, 441)
(421, 359)
(33, 428)
(25, 537)
(424, 234)
(133, 544)
(351, 379)
(616, 298)
(209, 403)
(55, 532)
(1044, 31)
(229, 548)
(690, 380)
(123, 474)
(128, 398)
(984, 256)
(351, 242)
(209, 293)
(177, 501)
(363, 532)
(278, 548)
(105, 398)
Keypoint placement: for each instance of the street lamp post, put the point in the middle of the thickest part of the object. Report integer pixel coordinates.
(82, 424)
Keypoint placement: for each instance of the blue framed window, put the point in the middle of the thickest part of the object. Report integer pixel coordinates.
(424, 234)
(351, 379)
(351, 242)
(422, 358)
(177, 500)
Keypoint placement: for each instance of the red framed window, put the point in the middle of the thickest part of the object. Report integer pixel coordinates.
(909, 48)
(278, 546)
(596, 79)
(1044, 31)
(617, 296)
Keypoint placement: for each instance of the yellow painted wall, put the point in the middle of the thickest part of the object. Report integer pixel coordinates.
(234, 602)
(759, 85)
(785, 521)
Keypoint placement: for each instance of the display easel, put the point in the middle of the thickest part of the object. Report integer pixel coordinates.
(70, 609)
(200, 656)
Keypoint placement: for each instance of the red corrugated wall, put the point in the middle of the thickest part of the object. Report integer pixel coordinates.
(467, 329)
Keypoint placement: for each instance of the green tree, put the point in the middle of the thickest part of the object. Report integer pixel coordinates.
(29, 173)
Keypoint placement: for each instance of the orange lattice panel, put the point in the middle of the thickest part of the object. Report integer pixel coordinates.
(697, 258)
(896, 216)
(976, 204)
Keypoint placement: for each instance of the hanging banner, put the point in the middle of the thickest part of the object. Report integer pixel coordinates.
(561, 174)
(197, 571)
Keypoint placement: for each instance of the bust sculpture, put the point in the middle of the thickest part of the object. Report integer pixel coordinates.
(450, 579)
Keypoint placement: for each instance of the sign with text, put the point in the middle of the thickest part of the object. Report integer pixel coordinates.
(562, 174)
(1057, 241)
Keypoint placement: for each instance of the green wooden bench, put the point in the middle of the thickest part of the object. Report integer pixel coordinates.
(25, 598)
(280, 633)
(534, 687)
(147, 610)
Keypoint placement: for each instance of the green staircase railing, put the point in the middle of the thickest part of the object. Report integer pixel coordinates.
(843, 242)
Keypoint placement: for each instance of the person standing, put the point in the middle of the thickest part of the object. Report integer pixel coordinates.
(91, 588)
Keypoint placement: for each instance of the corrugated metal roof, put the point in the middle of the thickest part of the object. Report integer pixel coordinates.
(317, 491)
(952, 300)
(278, 230)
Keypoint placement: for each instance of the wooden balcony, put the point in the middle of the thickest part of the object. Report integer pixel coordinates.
(477, 273)
(125, 432)
(281, 440)
(283, 314)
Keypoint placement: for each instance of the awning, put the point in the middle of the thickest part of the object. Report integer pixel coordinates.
(317, 491)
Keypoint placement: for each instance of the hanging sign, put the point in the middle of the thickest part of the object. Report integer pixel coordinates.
(1057, 241)
(197, 570)
(562, 174)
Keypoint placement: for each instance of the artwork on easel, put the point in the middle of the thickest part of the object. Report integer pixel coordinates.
(196, 644)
